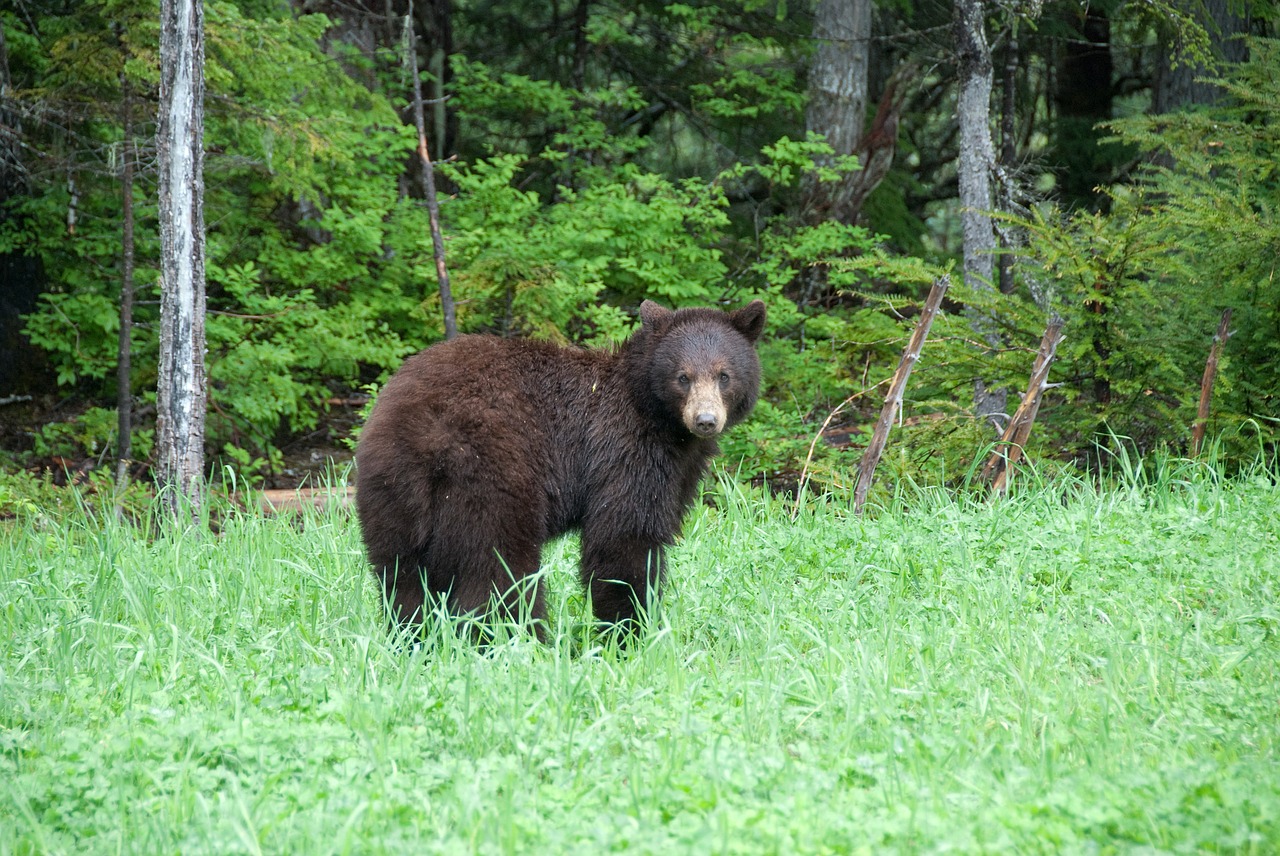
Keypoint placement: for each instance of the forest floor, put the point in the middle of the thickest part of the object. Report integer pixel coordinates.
(28, 442)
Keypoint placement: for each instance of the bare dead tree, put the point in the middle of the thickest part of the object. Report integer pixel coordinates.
(180, 392)
(124, 388)
(977, 165)
(1014, 440)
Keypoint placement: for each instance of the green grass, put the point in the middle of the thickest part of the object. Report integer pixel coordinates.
(1070, 670)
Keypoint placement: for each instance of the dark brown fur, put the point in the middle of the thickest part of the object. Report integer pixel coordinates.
(480, 449)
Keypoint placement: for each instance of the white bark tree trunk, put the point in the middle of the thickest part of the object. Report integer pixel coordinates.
(180, 393)
(977, 164)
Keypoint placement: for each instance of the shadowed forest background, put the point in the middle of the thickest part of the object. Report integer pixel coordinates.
(593, 154)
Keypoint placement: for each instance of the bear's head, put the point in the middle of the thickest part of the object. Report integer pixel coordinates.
(702, 367)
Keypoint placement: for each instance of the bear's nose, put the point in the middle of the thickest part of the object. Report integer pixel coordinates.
(705, 424)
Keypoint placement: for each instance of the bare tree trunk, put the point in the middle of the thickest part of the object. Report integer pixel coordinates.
(1081, 97)
(1206, 383)
(124, 388)
(977, 163)
(893, 398)
(581, 15)
(837, 110)
(180, 392)
(1008, 148)
(429, 191)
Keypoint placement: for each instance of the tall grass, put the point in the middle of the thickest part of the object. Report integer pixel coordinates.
(1072, 669)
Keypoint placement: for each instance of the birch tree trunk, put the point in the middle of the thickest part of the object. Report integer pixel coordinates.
(180, 392)
(977, 164)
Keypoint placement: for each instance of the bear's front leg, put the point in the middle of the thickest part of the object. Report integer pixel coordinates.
(624, 578)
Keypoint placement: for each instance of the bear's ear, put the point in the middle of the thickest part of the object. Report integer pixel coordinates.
(749, 320)
(653, 316)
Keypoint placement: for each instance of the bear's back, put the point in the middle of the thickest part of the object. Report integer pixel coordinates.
(475, 379)
(515, 412)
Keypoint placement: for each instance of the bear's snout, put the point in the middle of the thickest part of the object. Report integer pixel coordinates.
(705, 424)
(704, 412)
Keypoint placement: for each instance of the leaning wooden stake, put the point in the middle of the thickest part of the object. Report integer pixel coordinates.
(893, 399)
(1014, 440)
(1206, 383)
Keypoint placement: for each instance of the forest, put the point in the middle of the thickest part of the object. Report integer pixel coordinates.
(1111, 165)
(1080, 658)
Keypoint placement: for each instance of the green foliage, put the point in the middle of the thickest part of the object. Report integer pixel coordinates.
(308, 279)
(656, 152)
(1216, 213)
(521, 265)
(1134, 346)
(89, 435)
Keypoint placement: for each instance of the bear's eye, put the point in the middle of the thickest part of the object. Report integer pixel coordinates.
(683, 380)
(724, 378)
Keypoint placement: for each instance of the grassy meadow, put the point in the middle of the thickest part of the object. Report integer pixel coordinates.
(1071, 670)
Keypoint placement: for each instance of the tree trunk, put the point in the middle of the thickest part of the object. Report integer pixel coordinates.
(124, 388)
(1180, 86)
(838, 95)
(581, 16)
(435, 22)
(1082, 96)
(11, 170)
(1008, 150)
(977, 162)
(429, 192)
(180, 392)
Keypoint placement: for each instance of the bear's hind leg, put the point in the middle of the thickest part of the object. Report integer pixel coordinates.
(490, 578)
(403, 594)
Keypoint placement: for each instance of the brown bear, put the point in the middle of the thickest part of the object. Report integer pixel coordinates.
(480, 449)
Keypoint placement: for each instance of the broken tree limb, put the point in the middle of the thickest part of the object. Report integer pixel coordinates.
(893, 398)
(1014, 440)
(1206, 383)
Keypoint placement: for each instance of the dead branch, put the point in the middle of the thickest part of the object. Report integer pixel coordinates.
(1206, 383)
(893, 399)
(1013, 441)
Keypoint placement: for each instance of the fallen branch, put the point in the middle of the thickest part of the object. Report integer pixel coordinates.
(296, 499)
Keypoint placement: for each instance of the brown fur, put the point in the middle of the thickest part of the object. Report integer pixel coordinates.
(480, 449)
